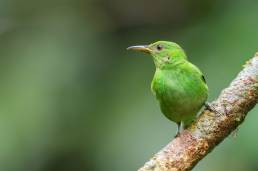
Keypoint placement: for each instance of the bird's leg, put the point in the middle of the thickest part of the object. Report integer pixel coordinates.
(178, 129)
(211, 108)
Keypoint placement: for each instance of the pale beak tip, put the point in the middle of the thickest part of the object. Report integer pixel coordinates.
(132, 47)
(140, 48)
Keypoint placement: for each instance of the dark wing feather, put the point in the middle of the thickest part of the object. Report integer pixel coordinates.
(203, 79)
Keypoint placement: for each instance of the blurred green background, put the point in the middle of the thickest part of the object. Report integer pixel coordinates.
(73, 99)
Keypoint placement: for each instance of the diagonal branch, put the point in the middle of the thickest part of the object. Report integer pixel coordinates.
(194, 143)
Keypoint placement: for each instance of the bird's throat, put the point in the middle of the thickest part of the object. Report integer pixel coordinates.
(167, 62)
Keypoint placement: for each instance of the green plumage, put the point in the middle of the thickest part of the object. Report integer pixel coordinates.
(178, 85)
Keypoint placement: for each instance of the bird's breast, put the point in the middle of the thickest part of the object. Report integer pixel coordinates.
(173, 86)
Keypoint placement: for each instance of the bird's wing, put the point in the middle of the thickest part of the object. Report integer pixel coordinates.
(195, 70)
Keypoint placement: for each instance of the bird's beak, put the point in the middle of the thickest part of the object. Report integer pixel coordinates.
(140, 48)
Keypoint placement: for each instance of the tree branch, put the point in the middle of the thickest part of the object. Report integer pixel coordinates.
(211, 128)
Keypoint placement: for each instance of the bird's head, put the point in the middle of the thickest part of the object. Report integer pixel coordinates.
(163, 52)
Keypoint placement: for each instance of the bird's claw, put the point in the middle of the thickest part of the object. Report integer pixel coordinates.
(177, 134)
(179, 125)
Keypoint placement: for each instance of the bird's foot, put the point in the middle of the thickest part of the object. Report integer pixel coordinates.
(211, 108)
(179, 124)
(177, 134)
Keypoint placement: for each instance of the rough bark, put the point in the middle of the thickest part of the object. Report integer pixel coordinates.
(211, 128)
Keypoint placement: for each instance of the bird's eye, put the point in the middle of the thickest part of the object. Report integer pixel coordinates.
(159, 47)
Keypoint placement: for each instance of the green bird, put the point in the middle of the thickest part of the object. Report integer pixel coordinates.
(178, 85)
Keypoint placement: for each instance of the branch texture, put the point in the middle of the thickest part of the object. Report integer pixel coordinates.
(211, 128)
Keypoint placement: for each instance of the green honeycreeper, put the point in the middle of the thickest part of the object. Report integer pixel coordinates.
(178, 85)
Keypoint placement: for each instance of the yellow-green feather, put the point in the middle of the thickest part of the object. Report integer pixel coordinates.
(181, 92)
(178, 85)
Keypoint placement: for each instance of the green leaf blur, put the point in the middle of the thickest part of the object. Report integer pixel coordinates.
(73, 99)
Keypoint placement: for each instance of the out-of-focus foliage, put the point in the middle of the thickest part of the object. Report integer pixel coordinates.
(73, 99)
